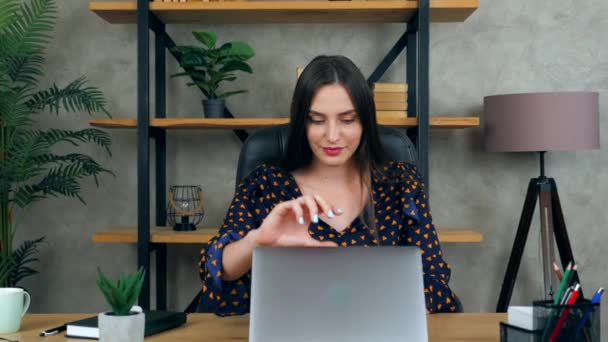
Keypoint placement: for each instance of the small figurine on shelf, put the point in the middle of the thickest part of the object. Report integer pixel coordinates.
(185, 208)
(209, 66)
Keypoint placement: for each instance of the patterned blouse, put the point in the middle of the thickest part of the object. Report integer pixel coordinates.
(402, 215)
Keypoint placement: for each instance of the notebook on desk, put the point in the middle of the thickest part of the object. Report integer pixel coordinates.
(156, 321)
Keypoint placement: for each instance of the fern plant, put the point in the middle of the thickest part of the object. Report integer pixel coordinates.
(30, 168)
(124, 293)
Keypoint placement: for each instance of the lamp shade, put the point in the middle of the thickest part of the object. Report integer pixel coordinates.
(557, 121)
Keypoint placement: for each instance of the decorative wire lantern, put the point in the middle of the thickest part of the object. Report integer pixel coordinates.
(185, 207)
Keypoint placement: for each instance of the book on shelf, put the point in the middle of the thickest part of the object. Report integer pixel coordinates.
(390, 87)
(156, 321)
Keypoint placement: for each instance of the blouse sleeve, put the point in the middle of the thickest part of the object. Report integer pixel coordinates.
(227, 298)
(436, 272)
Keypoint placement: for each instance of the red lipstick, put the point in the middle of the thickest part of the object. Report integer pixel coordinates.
(332, 151)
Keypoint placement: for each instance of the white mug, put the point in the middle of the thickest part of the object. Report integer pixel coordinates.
(14, 303)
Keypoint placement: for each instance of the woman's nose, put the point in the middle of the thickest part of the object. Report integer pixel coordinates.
(333, 133)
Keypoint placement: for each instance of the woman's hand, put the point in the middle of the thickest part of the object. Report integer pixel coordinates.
(287, 224)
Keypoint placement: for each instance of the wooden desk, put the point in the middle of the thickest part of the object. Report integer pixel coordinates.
(208, 327)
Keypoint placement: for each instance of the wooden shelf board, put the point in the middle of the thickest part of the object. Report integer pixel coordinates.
(203, 235)
(264, 12)
(237, 123)
(438, 122)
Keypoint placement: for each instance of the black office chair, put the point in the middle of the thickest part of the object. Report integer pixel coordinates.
(267, 145)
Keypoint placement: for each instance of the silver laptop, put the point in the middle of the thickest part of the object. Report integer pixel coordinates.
(337, 294)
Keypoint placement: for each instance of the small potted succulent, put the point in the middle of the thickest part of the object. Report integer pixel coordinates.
(122, 324)
(208, 66)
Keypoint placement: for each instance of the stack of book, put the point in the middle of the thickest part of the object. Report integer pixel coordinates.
(391, 100)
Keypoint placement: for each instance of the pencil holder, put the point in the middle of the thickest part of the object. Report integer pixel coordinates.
(511, 333)
(571, 323)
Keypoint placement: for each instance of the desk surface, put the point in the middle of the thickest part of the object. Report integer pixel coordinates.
(208, 327)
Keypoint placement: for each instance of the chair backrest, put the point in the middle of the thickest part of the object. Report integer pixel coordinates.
(267, 145)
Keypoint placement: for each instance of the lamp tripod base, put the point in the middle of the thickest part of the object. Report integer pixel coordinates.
(551, 211)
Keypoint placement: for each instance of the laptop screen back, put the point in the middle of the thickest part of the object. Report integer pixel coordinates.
(337, 294)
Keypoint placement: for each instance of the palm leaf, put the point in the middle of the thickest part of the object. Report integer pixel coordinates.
(74, 97)
(30, 32)
(13, 112)
(27, 194)
(23, 256)
(26, 69)
(88, 164)
(60, 180)
(30, 157)
(92, 135)
(8, 16)
(6, 267)
(63, 180)
(27, 144)
(8, 8)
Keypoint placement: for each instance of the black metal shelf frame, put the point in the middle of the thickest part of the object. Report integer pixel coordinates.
(415, 40)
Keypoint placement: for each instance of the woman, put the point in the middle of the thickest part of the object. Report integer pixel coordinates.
(332, 188)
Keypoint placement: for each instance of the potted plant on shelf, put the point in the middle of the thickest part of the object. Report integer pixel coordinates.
(209, 66)
(121, 324)
(31, 169)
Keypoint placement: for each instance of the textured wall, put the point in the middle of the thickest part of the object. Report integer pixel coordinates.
(506, 46)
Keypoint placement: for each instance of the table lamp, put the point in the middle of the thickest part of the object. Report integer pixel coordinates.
(185, 207)
(540, 122)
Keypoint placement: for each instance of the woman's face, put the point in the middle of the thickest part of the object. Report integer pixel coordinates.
(333, 127)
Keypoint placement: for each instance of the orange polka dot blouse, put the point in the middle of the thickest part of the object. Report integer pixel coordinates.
(403, 218)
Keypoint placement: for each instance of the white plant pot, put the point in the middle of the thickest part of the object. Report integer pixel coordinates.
(114, 328)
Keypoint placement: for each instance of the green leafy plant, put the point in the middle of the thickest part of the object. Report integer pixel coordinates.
(30, 167)
(124, 293)
(209, 66)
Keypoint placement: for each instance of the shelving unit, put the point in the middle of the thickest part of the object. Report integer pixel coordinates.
(153, 16)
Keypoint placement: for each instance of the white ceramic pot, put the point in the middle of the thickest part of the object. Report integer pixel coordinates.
(114, 328)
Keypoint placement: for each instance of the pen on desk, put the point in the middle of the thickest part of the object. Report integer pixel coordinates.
(596, 299)
(53, 331)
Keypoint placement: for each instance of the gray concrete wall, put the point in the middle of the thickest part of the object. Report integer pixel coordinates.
(505, 46)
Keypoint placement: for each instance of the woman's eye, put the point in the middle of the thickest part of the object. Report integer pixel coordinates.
(316, 122)
(348, 121)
